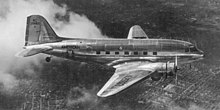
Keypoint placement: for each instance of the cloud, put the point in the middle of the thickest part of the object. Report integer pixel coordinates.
(13, 15)
(191, 106)
(84, 94)
(87, 97)
(79, 26)
(8, 81)
(4, 9)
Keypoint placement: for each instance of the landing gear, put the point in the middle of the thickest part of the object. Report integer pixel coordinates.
(165, 76)
(166, 73)
(170, 73)
(156, 76)
(48, 59)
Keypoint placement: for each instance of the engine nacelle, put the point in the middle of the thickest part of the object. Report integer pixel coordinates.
(166, 67)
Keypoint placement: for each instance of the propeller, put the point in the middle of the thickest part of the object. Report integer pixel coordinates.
(175, 64)
(166, 70)
(175, 68)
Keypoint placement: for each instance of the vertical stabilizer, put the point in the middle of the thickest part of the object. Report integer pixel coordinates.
(136, 32)
(39, 31)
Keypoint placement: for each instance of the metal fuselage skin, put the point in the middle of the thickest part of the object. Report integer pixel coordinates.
(117, 51)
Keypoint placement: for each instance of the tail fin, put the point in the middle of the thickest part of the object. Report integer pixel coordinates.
(39, 31)
(136, 32)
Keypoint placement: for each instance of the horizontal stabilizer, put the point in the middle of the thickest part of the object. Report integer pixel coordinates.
(33, 50)
(136, 32)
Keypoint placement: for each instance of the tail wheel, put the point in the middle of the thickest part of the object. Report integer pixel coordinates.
(48, 59)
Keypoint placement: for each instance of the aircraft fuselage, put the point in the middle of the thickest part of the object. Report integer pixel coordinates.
(114, 51)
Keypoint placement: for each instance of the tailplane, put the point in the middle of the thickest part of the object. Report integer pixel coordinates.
(39, 31)
(33, 50)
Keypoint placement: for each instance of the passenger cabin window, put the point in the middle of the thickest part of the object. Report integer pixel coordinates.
(116, 53)
(98, 52)
(107, 52)
(135, 53)
(144, 53)
(126, 53)
(154, 53)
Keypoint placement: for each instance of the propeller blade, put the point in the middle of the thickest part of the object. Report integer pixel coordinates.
(176, 61)
(175, 69)
(166, 66)
(175, 65)
(166, 71)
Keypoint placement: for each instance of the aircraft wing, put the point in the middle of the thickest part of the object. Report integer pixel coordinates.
(136, 32)
(126, 75)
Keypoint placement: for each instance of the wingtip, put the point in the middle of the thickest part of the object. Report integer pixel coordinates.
(101, 95)
(104, 94)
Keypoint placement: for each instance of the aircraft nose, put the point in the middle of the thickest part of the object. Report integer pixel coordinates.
(201, 53)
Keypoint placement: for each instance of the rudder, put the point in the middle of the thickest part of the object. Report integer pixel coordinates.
(39, 31)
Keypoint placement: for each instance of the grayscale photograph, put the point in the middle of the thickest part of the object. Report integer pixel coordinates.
(110, 55)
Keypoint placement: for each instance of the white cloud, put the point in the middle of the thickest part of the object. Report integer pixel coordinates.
(13, 15)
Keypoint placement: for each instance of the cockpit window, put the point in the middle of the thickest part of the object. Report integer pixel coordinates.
(186, 49)
(192, 49)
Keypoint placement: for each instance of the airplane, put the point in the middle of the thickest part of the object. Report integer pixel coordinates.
(134, 58)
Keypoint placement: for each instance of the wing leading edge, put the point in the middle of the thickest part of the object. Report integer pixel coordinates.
(125, 76)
